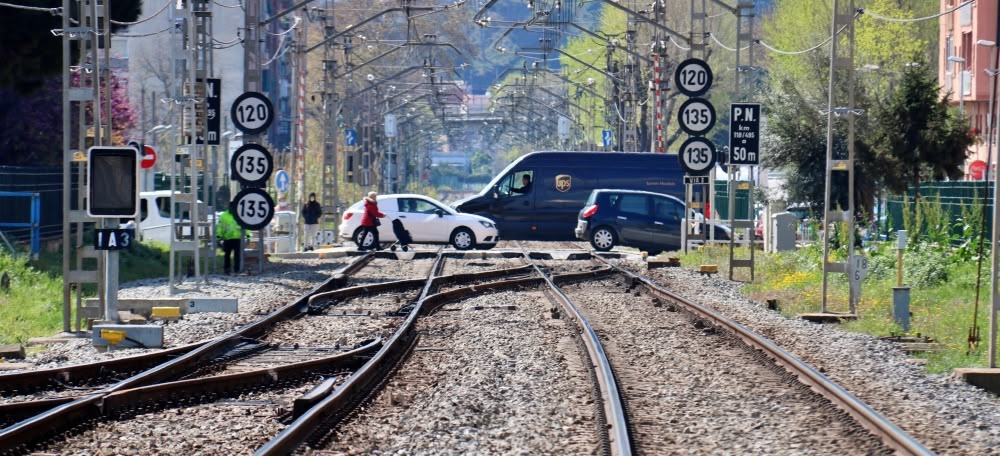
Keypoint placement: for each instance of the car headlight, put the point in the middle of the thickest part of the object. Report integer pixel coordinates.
(486, 224)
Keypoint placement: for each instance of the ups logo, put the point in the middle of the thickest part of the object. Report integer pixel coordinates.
(564, 182)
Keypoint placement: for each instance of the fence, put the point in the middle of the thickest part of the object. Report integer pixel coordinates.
(955, 198)
(46, 181)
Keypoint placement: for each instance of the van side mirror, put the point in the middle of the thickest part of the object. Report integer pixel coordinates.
(439, 212)
(496, 193)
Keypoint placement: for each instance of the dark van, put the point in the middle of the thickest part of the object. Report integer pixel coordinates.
(538, 196)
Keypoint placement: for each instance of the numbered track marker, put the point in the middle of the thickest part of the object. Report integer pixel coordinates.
(254, 208)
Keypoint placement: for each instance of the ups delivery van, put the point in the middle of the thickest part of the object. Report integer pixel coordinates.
(538, 196)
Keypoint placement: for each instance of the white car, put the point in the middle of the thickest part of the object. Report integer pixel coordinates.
(428, 221)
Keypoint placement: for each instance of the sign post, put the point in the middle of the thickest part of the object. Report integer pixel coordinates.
(697, 155)
(251, 165)
(112, 193)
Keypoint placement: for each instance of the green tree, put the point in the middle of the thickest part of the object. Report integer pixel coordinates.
(916, 137)
(797, 98)
(796, 142)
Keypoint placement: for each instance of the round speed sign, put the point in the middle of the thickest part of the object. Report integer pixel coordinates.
(252, 113)
(693, 77)
(251, 164)
(696, 116)
(253, 208)
(697, 156)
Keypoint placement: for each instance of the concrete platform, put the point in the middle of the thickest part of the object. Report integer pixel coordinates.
(144, 307)
(987, 379)
(829, 317)
(127, 336)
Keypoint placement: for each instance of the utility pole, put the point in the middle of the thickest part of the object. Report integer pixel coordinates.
(299, 162)
(743, 89)
(89, 32)
(252, 67)
(841, 71)
(331, 111)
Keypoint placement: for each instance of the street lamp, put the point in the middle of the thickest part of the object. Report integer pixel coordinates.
(961, 94)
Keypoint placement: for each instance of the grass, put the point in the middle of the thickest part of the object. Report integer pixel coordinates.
(942, 293)
(32, 307)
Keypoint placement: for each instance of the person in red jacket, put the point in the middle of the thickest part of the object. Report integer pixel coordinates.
(370, 222)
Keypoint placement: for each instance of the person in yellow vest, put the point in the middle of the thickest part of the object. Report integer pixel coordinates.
(228, 231)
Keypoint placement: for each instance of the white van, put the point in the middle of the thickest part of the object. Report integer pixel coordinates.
(154, 216)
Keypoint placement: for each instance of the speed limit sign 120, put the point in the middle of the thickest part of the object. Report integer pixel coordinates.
(251, 165)
(693, 77)
(252, 113)
(697, 156)
(253, 207)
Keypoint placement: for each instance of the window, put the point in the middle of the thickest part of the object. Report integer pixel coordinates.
(417, 206)
(668, 210)
(514, 184)
(634, 204)
(949, 50)
(966, 50)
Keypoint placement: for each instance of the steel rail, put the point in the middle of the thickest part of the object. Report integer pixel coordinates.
(41, 379)
(362, 383)
(616, 431)
(92, 405)
(39, 427)
(891, 435)
(44, 378)
(122, 401)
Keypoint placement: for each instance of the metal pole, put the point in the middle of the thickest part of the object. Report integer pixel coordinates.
(995, 237)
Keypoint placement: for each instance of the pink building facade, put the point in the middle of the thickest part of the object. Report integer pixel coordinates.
(968, 40)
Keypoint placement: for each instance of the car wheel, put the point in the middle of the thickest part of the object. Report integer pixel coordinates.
(365, 243)
(653, 253)
(603, 238)
(463, 239)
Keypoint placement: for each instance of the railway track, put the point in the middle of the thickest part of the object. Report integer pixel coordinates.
(396, 339)
(259, 358)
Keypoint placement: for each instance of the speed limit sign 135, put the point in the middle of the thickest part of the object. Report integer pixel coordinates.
(252, 113)
(251, 165)
(697, 156)
(696, 116)
(253, 208)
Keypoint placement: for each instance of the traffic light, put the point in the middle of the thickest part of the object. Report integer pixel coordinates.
(112, 180)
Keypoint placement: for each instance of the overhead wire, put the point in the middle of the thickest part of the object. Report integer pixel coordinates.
(296, 24)
(277, 53)
(141, 35)
(897, 19)
(52, 11)
(238, 5)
